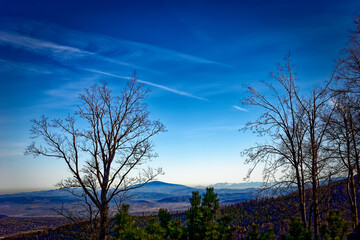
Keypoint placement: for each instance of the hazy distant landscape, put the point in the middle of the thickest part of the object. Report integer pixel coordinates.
(22, 212)
(148, 199)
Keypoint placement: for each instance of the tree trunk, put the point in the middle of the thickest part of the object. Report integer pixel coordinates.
(301, 198)
(315, 208)
(354, 183)
(352, 194)
(103, 222)
(303, 195)
(315, 185)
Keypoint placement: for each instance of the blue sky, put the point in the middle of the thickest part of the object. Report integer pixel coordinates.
(195, 56)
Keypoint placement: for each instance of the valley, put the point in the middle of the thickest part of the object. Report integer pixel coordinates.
(22, 212)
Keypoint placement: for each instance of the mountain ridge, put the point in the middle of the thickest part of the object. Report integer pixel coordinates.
(153, 183)
(148, 198)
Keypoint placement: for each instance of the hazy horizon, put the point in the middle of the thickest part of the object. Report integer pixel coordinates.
(24, 190)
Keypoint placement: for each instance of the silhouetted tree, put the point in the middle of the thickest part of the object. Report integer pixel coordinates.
(283, 121)
(349, 69)
(344, 140)
(318, 112)
(102, 144)
(296, 126)
(346, 122)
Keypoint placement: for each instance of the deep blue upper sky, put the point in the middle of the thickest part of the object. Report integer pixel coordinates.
(195, 56)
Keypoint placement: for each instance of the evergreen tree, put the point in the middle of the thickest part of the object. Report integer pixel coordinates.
(125, 227)
(336, 229)
(154, 231)
(194, 217)
(202, 221)
(209, 207)
(225, 230)
(297, 230)
(177, 231)
(173, 229)
(164, 220)
(254, 234)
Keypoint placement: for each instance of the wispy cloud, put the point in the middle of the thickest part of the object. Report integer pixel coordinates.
(37, 45)
(240, 108)
(54, 50)
(182, 93)
(74, 44)
(171, 54)
(34, 44)
(98, 53)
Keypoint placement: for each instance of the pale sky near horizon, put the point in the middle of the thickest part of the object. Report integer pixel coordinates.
(194, 56)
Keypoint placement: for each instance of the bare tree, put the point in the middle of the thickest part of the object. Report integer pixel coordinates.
(344, 141)
(103, 143)
(296, 128)
(345, 123)
(314, 137)
(317, 111)
(283, 122)
(349, 70)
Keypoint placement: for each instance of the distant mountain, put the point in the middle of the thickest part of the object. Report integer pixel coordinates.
(227, 185)
(237, 185)
(163, 187)
(149, 198)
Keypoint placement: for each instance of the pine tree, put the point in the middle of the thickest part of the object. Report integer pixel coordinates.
(202, 221)
(297, 230)
(125, 227)
(194, 217)
(254, 234)
(337, 228)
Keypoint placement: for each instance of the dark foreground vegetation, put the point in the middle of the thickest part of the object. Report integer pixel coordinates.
(264, 219)
(12, 225)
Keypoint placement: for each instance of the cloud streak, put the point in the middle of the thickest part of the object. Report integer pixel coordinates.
(182, 93)
(67, 52)
(240, 108)
(106, 53)
(171, 54)
(55, 50)
(34, 44)
(75, 44)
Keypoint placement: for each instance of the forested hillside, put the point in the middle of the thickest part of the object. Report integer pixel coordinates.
(231, 221)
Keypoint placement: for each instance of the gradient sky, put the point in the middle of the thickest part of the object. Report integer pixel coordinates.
(195, 56)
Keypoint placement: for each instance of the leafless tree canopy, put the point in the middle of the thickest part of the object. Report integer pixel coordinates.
(349, 71)
(296, 128)
(103, 143)
(314, 137)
